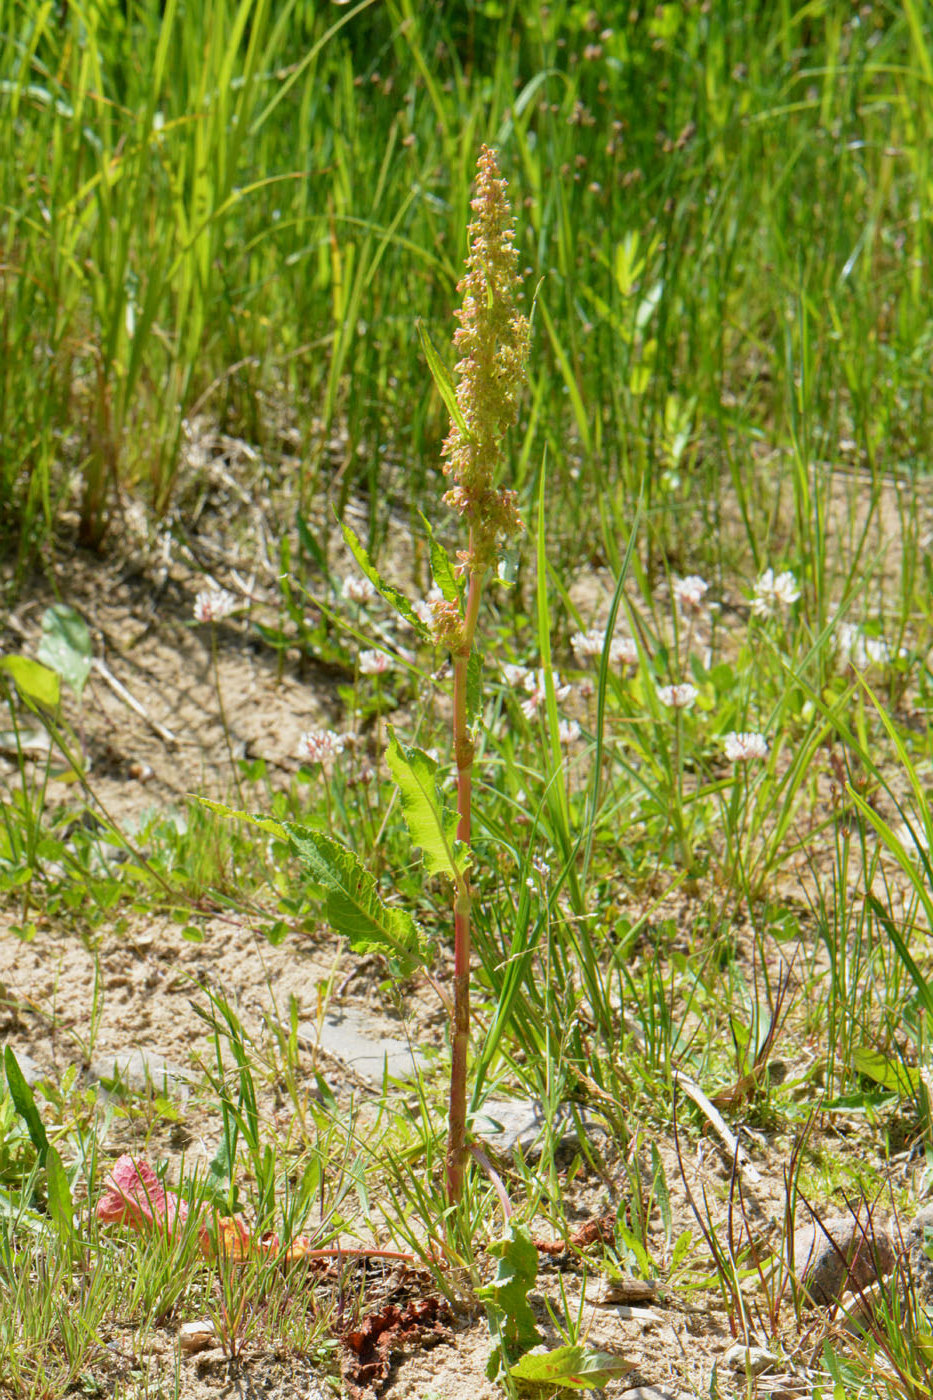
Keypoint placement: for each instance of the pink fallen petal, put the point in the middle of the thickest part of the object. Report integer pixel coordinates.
(133, 1195)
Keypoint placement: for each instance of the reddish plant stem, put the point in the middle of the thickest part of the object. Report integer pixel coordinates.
(460, 1029)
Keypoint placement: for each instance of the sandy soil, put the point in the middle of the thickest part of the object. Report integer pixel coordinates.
(67, 1001)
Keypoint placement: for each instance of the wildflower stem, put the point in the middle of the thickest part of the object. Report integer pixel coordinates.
(215, 667)
(460, 1039)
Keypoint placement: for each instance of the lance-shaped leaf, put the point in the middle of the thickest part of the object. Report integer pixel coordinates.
(351, 901)
(394, 596)
(444, 380)
(262, 823)
(474, 687)
(432, 825)
(353, 904)
(441, 568)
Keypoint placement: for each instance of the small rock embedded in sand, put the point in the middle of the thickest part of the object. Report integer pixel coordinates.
(750, 1361)
(917, 1239)
(841, 1252)
(196, 1336)
(351, 1038)
(648, 1392)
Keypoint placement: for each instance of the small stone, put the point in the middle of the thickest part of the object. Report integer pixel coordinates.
(508, 1125)
(750, 1361)
(140, 1072)
(647, 1392)
(839, 1253)
(350, 1037)
(918, 1238)
(196, 1336)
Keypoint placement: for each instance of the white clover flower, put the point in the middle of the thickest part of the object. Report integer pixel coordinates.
(540, 867)
(743, 747)
(678, 697)
(623, 652)
(688, 593)
(423, 611)
(320, 745)
(774, 592)
(586, 644)
(515, 675)
(534, 680)
(529, 707)
(374, 663)
(586, 689)
(536, 686)
(359, 589)
(212, 604)
(861, 650)
(568, 731)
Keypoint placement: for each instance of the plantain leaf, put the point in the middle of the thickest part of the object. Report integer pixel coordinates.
(394, 596)
(431, 824)
(353, 904)
(890, 1074)
(35, 682)
(66, 645)
(574, 1368)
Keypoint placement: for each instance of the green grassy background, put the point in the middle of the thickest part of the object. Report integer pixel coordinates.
(242, 210)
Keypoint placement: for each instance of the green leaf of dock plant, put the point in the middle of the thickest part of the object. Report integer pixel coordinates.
(442, 571)
(353, 904)
(351, 901)
(66, 646)
(24, 1103)
(35, 682)
(394, 596)
(474, 686)
(574, 1368)
(444, 380)
(431, 824)
(511, 1321)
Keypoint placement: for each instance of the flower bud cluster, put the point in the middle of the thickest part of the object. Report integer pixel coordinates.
(492, 341)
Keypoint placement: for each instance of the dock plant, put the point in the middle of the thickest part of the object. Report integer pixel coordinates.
(491, 342)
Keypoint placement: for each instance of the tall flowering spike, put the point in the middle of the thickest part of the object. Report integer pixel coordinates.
(492, 341)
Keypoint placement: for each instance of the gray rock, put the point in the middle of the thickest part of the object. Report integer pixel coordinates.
(508, 1125)
(841, 1253)
(918, 1237)
(647, 1392)
(32, 1072)
(140, 1072)
(750, 1361)
(351, 1037)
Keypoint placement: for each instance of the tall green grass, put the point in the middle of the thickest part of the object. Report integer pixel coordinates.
(240, 210)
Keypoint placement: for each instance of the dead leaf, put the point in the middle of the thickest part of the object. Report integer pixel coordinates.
(421, 1322)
